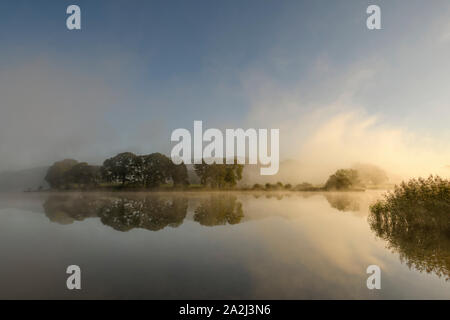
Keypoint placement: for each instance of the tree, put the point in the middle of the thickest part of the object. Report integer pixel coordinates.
(342, 179)
(83, 174)
(179, 174)
(124, 167)
(304, 186)
(219, 175)
(56, 174)
(156, 169)
(149, 171)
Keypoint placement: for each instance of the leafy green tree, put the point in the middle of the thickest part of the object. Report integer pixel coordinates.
(149, 171)
(124, 167)
(83, 174)
(219, 175)
(343, 179)
(56, 174)
(179, 174)
(156, 169)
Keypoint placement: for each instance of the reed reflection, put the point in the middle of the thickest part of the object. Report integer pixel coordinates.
(420, 234)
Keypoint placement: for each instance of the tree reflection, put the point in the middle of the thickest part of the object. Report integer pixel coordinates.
(343, 202)
(121, 213)
(219, 210)
(151, 213)
(65, 209)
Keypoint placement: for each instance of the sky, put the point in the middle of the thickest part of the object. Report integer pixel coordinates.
(338, 92)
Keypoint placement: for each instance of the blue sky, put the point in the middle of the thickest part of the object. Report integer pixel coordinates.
(139, 69)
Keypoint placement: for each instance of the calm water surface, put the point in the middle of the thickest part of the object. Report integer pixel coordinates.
(209, 246)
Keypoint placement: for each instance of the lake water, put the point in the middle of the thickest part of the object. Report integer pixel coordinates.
(208, 246)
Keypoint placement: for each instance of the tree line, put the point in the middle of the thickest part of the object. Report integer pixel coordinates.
(128, 170)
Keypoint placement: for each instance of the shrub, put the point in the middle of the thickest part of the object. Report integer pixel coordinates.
(415, 221)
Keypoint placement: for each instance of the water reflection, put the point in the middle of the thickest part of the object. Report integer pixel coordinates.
(219, 210)
(154, 212)
(121, 213)
(150, 212)
(231, 246)
(343, 202)
(65, 209)
(421, 237)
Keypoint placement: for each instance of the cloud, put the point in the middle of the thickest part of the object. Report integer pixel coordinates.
(337, 129)
(352, 137)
